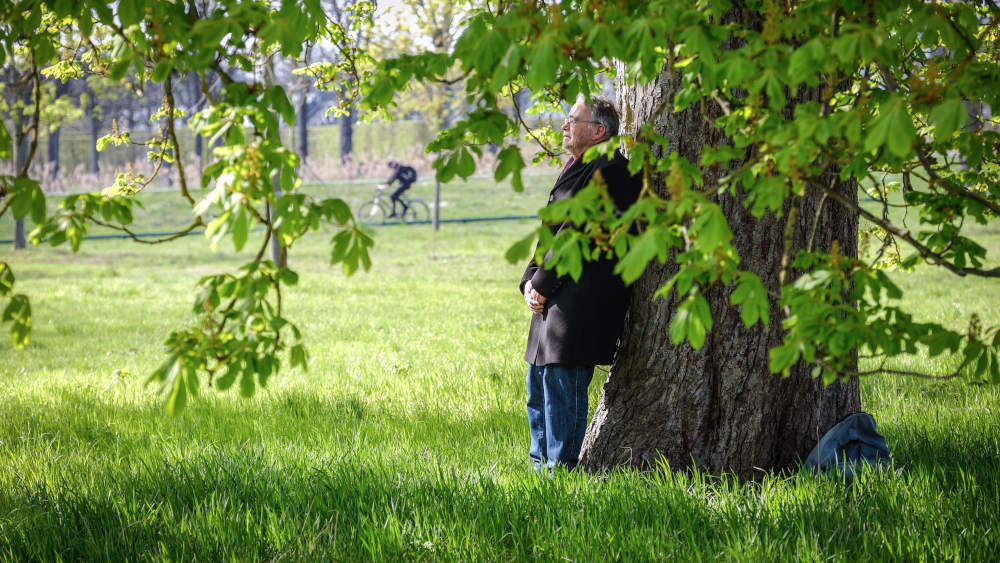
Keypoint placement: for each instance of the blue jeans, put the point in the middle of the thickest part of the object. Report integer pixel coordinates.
(557, 413)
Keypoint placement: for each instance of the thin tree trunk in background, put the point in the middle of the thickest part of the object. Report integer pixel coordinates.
(20, 241)
(719, 407)
(347, 135)
(199, 151)
(20, 157)
(302, 125)
(93, 124)
(54, 151)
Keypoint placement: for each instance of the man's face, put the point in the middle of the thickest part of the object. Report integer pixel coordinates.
(579, 130)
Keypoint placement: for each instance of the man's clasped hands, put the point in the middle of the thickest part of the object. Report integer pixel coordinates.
(536, 301)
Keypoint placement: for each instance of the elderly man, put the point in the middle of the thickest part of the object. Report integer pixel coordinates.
(575, 325)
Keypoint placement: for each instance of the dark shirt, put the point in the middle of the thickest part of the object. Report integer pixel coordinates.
(582, 319)
(405, 174)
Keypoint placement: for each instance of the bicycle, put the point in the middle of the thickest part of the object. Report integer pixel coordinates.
(376, 210)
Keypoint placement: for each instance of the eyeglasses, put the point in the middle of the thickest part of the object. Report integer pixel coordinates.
(570, 120)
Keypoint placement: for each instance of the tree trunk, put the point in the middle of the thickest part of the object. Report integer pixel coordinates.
(20, 158)
(54, 152)
(718, 408)
(302, 126)
(347, 134)
(93, 126)
(199, 151)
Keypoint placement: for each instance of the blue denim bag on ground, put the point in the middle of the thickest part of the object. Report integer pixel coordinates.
(852, 441)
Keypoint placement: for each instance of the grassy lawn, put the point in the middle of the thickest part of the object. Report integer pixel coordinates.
(406, 438)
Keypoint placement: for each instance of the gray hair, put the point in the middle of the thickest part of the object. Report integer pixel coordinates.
(602, 110)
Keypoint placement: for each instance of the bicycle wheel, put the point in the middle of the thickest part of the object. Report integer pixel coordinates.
(371, 213)
(417, 212)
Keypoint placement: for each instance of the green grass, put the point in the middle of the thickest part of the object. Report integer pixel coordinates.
(406, 437)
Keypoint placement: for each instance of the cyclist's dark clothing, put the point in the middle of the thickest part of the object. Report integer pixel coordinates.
(406, 176)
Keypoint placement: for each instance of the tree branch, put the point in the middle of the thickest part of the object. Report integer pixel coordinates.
(930, 255)
(950, 187)
(35, 119)
(893, 86)
(517, 111)
(197, 223)
(168, 95)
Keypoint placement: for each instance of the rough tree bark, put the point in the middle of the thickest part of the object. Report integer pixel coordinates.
(718, 408)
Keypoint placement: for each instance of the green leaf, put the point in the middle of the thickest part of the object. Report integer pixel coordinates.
(215, 225)
(6, 146)
(350, 248)
(6, 279)
(288, 277)
(692, 321)
(25, 194)
(646, 247)
(279, 100)
(751, 295)
(802, 65)
(129, 12)
(287, 179)
(162, 70)
(783, 357)
(829, 377)
(893, 128)
(521, 249)
(120, 68)
(38, 205)
(711, 228)
(510, 161)
(466, 165)
(947, 117)
(241, 228)
(542, 65)
(338, 209)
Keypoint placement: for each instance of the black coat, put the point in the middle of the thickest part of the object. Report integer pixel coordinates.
(582, 319)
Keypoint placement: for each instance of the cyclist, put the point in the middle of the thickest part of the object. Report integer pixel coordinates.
(406, 176)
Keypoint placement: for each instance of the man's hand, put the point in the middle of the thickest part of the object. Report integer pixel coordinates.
(536, 301)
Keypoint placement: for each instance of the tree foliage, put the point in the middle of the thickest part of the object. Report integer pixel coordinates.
(898, 79)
